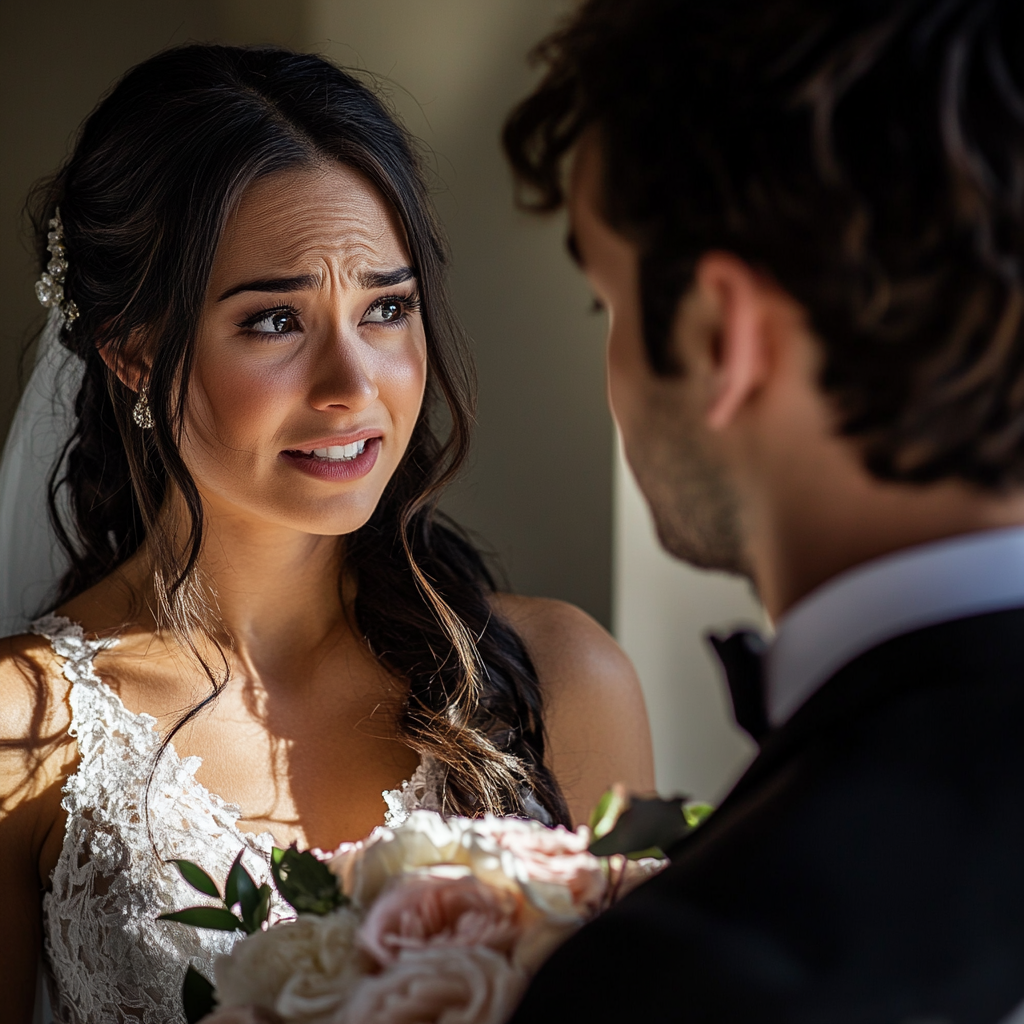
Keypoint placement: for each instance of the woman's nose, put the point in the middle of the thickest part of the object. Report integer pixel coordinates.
(343, 374)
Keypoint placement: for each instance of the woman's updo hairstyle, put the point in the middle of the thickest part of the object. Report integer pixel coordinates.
(159, 167)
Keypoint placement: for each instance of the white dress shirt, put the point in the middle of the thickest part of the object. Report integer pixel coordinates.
(917, 587)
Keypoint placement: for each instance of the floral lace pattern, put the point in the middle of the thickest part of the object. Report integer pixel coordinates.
(420, 793)
(107, 958)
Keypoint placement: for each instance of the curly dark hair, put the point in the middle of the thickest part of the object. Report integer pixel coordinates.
(156, 172)
(868, 155)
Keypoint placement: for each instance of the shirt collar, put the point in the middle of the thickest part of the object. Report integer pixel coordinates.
(885, 598)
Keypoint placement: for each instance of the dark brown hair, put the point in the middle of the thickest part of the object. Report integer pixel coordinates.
(159, 167)
(867, 155)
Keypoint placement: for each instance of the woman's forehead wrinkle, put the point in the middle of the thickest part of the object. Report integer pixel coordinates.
(327, 223)
(342, 246)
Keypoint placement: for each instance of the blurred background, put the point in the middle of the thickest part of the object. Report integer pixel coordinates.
(546, 491)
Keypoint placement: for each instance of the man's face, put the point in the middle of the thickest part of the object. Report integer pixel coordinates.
(670, 450)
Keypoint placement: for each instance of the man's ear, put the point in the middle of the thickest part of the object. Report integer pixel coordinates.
(128, 361)
(735, 301)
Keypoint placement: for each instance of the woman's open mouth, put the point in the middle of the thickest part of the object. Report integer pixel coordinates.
(337, 462)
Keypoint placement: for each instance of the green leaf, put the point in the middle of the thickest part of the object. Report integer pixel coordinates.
(241, 889)
(642, 825)
(231, 885)
(304, 882)
(197, 877)
(648, 827)
(205, 917)
(612, 803)
(696, 814)
(197, 996)
(262, 911)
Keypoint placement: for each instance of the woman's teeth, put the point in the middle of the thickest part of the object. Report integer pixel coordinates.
(340, 452)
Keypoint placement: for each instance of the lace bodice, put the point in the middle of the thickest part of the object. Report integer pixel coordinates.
(107, 957)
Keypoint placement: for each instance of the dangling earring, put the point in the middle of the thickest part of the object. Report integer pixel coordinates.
(142, 414)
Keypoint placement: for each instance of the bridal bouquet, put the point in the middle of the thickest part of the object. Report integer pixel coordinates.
(438, 919)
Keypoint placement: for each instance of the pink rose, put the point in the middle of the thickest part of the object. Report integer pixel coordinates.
(552, 857)
(438, 985)
(420, 911)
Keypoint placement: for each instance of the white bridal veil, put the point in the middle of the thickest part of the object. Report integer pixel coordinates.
(31, 560)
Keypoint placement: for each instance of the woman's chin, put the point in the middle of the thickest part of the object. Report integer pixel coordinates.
(326, 518)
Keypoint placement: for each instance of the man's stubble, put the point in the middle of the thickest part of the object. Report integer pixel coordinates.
(693, 504)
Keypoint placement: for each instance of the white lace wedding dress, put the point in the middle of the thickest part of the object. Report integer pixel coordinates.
(107, 958)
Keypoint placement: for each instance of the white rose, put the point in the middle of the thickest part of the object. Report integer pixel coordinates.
(438, 985)
(303, 970)
(424, 839)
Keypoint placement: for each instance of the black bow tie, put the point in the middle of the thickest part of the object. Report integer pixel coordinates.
(741, 655)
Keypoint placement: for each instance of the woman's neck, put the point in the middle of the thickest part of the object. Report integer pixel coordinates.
(274, 592)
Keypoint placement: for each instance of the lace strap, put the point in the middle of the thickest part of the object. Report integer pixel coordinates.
(97, 713)
(70, 643)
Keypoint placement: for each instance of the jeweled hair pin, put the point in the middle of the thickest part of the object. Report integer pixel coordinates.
(50, 286)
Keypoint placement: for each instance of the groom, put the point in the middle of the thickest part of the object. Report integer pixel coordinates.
(805, 219)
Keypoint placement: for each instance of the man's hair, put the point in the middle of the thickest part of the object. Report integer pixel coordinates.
(867, 155)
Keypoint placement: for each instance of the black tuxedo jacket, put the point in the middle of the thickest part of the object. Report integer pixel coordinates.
(868, 867)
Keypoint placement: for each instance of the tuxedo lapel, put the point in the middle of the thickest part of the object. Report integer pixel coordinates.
(929, 657)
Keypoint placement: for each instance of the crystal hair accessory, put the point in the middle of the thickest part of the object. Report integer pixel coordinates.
(50, 286)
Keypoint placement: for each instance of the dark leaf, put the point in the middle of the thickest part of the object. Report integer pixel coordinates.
(196, 996)
(304, 882)
(241, 889)
(643, 825)
(262, 911)
(197, 877)
(231, 885)
(205, 917)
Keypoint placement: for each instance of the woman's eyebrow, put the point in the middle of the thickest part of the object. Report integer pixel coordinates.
(370, 279)
(274, 284)
(367, 279)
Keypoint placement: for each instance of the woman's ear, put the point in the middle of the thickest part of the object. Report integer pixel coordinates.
(128, 361)
(736, 304)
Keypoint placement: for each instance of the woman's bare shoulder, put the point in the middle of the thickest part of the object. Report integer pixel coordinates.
(34, 712)
(594, 711)
(568, 647)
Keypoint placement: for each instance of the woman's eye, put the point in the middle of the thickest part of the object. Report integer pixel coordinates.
(281, 321)
(390, 310)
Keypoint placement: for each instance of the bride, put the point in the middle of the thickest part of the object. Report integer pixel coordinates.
(264, 623)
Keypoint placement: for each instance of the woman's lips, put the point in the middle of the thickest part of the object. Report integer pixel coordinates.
(336, 468)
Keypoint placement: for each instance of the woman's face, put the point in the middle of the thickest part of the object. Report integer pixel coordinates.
(311, 358)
